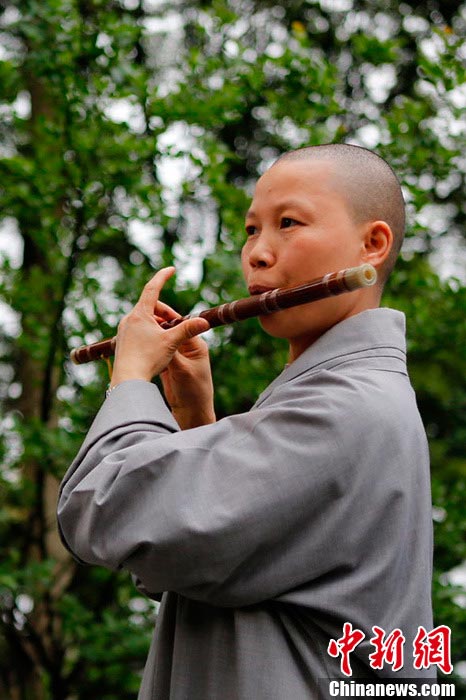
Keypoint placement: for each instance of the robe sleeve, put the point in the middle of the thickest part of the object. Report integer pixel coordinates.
(231, 513)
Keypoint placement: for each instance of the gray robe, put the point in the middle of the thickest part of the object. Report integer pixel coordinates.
(271, 528)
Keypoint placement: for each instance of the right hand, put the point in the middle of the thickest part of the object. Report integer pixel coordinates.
(144, 349)
(187, 380)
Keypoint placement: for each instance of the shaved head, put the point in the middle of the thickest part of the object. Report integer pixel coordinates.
(368, 184)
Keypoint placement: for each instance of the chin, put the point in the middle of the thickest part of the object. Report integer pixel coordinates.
(297, 328)
(282, 327)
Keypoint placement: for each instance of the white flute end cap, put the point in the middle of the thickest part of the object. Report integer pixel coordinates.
(362, 276)
(74, 357)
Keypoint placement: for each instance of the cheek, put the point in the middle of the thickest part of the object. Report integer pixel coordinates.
(304, 257)
(245, 258)
(327, 253)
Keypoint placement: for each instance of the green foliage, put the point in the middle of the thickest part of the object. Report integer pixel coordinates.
(95, 104)
(106, 640)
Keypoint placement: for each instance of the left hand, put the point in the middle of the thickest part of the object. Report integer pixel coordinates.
(143, 348)
(187, 380)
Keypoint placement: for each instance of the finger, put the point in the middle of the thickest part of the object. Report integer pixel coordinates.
(165, 312)
(150, 293)
(187, 330)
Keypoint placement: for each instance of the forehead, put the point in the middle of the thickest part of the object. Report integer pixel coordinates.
(304, 177)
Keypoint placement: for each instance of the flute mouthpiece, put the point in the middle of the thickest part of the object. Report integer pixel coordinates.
(362, 276)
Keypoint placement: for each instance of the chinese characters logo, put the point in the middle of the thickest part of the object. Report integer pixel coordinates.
(429, 648)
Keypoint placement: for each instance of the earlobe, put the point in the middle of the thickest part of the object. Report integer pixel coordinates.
(378, 243)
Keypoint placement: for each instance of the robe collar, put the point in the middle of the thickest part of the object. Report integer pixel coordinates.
(364, 333)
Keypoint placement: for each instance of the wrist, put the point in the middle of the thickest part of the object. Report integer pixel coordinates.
(118, 377)
(189, 418)
(112, 385)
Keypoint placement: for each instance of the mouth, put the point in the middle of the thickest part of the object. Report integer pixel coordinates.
(259, 289)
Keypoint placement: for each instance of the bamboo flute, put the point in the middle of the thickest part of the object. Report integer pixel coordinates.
(331, 284)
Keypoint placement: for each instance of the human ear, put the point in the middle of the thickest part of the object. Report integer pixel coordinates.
(377, 243)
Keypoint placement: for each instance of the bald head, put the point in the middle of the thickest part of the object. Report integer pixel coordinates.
(368, 184)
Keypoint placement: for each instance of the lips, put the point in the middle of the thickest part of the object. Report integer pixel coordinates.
(259, 289)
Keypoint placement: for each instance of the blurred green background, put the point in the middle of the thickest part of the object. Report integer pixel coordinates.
(131, 133)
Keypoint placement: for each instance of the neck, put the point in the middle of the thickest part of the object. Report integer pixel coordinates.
(299, 344)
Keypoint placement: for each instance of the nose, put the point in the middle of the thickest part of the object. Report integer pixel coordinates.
(259, 251)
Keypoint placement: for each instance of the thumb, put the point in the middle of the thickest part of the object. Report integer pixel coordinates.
(188, 329)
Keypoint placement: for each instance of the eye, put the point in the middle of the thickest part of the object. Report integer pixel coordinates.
(287, 222)
(251, 230)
